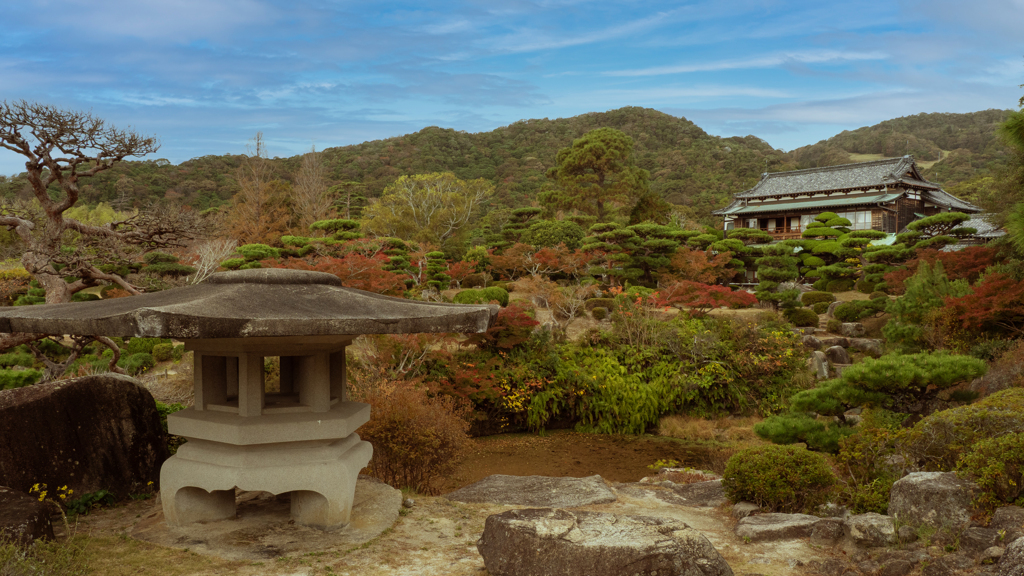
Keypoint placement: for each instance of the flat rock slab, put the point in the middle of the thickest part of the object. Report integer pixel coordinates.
(536, 491)
(263, 529)
(695, 495)
(548, 542)
(762, 527)
(23, 518)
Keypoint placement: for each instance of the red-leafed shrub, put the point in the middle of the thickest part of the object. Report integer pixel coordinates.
(968, 264)
(995, 305)
(512, 327)
(355, 271)
(702, 298)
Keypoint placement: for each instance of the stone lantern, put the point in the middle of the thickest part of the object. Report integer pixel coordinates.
(299, 439)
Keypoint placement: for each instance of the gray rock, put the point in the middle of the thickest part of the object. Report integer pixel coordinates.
(837, 355)
(536, 491)
(871, 529)
(1009, 519)
(867, 566)
(92, 433)
(827, 531)
(811, 342)
(974, 540)
(819, 365)
(831, 312)
(23, 519)
(896, 568)
(762, 527)
(991, 555)
(852, 329)
(1012, 561)
(828, 341)
(937, 499)
(870, 346)
(546, 542)
(833, 567)
(906, 534)
(701, 494)
(744, 509)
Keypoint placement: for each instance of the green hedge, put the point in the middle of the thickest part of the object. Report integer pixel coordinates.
(779, 478)
(10, 379)
(814, 297)
(802, 317)
(858, 309)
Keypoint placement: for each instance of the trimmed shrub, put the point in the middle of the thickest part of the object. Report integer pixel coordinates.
(10, 379)
(17, 359)
(135, 364)
(599, 313)
(997, 466)
(878, 294)
(606, 303)
(814, 297)
(820, 307)
(779, 478)
(820, 284)
(83, 297)
(163, 352)
(833, 325)
(858, 309)
(177, 352)
(801, 317)
(865, 286)
(496, 293)
(417, 439)
(844, 285)
(137, 345)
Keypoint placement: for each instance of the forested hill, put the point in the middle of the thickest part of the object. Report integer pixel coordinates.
(688, 166)
(953, 149)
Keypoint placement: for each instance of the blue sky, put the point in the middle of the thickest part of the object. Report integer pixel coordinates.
(205, 75)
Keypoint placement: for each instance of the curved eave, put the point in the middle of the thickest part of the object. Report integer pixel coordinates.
(248, 310)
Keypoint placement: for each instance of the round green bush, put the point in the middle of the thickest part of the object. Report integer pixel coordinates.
(839, 286)
(599, 313)
(83, 297)
(802, 317)
(496, 293)
(814, 297)
(779, 478)
(820, 307)
(876, 295)
(163, 352)
(834, 325)
(471, 296)
(819, 284)
(865, 286)
(177, 352)
(858, 309)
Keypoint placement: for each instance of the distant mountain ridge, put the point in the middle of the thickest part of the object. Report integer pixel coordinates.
(688, 166)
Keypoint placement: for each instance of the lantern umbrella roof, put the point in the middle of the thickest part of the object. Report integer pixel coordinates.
(250, 303)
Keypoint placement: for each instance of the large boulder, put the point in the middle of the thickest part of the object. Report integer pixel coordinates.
(819, 365)
(23, 519)
(547, 542)
(1012, 561)
(852, 329)
(761, 527)
(1010, 521)
(92, 433)
(536, 491)
(837, 355)
(870, 346)
(708, 494)
(940, 500)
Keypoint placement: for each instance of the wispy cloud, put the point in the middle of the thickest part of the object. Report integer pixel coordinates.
(813, 57)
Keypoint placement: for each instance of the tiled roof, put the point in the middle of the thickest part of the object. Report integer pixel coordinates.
(739, 208)
(876, 174)
(943, 198)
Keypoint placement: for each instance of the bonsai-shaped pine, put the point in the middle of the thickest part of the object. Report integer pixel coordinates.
(826, 257)
(437, 278)
(926, 291)
(934, 231)
(519, 222)
(778, 265)
(896, 382)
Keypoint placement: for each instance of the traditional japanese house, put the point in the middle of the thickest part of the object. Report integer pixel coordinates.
(883, 195)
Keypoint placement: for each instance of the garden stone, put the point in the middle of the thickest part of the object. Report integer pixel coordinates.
(1009, 519)
(827, 531)
(868, 566)
(536, 491)
(547, 542)
(870, 346)
(975, 540)
(991, 555)
(907, 534)
(92, 433)
(762, 527)
(937, 499)
(871, 529)
(852, 329)
(830, 341)
(744, 509)
(708, 494)
(819, 364)
(23, 518)
(837, 355)
(1012, 561)
(831, 312)
(811, 342)
(896, 568)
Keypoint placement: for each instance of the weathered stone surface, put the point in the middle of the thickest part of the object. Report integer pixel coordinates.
(906, 534)
(974, 539)
(23, 518)
(852, 329)
(90, 433)
(991, 555)
(811, 342)
(819, 365)
(871, 529)
(701, 494)
(827, 531)
(828, 341)
(831, 312)
(937, 499)
(870, 346)
(1012, 561)
(1009, 519)
(744, 509)
(536, 491)
(896, 568)
(837, 355)
(763, 527)
(546, 542)
(248, 303)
